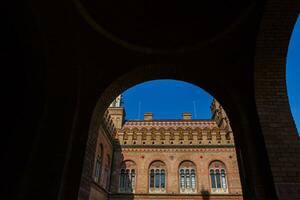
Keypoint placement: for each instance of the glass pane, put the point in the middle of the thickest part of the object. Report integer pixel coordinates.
(182, 185)
(187, 175)
(122, 180)
(97, 172)
(127, 180)
(157, 177)
(132, 180)
(212, 179)
(163, 178)
(224, 184)
(193, 180)
(218, 178)
(152, 179)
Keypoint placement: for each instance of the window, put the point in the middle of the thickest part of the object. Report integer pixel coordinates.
(98, 164)
(163, 179)
(97, 170)
(187, 177)
(107, 172)
(122, 180)
(127, 177)
(218, 180)
(157, 177)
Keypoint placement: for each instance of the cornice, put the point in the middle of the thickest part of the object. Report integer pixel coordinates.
(181, 146)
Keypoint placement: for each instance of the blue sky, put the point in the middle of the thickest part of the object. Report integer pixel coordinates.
(167, 99)
(293, 73)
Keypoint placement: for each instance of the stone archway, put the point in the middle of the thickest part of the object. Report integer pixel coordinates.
(278, 128)
(255, 177)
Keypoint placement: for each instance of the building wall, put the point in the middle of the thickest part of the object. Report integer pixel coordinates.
(104, 149)
(172, 157)
(139, 143)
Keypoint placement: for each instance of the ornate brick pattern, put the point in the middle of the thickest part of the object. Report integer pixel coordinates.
(172, 142)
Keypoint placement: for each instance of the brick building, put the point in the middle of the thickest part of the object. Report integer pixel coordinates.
(165, 159)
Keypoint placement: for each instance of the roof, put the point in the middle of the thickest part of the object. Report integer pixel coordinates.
(166, 124)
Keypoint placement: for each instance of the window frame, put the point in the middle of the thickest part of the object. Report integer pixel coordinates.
(126, 175)
(98, 162)
(155, 177)
(186, 185)
(217, 172)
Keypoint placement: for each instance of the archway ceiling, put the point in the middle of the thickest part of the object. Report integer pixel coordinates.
(164, 24)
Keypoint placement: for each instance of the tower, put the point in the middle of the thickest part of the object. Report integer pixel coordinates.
(220, 116)
(116, 112)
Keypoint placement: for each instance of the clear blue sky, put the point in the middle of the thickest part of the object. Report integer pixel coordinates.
(167, 99)
(293, 73)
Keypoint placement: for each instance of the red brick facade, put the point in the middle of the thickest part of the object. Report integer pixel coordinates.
(202, 144)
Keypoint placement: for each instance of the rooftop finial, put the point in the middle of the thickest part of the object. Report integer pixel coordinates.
(117, 102)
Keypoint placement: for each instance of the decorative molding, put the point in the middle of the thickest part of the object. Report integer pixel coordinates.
(182, 149)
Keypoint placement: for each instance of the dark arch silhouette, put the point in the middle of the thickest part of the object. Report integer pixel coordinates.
(58, 68)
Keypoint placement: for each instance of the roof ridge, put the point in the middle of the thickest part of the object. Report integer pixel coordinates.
(170, 120)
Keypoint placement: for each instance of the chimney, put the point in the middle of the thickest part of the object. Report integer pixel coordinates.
(148, 116)
(186, 116)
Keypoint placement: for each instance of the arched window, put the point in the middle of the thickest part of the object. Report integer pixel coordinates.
(218, 179)
(122, 180)
(98, 164)
(157, 177)
(127, 177)
(97, 170)
(187, 177)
